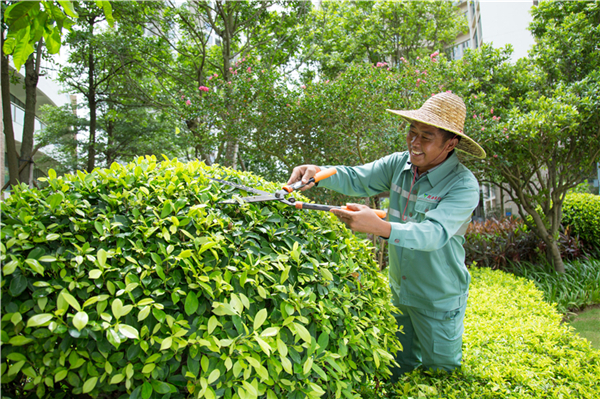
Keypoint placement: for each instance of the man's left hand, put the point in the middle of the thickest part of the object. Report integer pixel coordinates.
(362, 219)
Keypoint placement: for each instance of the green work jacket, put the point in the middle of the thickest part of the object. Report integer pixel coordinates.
(426, 255)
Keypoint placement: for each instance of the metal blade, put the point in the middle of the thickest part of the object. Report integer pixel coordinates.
(242, 187)
(261, 198)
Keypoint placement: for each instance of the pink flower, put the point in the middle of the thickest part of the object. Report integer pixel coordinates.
(203, 88)
(183, 97)
(418, 72)
(303, 87)
(474, 116)
(228, 83)
(495, 156)
(215, 75)
(497, 118)
(249, 70)
(235, 72)
(482, 129)
(210, 77)
(435, 54)
(507, 136)
(475, 97)
(419, 80)
(262, 70)
(492, 111)
(327, 81)
(424, 73)
(244, 59)
(188, 102)
(418, 58)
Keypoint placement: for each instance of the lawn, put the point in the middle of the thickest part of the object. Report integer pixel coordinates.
(587, 325)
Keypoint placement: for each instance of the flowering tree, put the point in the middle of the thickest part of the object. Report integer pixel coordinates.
(538, 119)
(343, 32)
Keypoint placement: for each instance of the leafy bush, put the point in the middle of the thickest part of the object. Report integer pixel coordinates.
(574, 289)
(581, 214)
(496, 243)
(515, 346)
(132, 282)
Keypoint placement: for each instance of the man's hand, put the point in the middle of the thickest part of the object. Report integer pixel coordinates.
(304, 172)
(362, 219)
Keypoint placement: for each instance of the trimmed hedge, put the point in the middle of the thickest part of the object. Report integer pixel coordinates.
(133, 282)
(514, 347)
(581, 213)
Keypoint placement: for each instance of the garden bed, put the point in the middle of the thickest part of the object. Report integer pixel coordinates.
(515, 346)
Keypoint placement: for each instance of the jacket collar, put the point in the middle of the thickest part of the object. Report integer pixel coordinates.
(439, 172)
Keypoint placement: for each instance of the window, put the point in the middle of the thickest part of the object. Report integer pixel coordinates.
(459, 50)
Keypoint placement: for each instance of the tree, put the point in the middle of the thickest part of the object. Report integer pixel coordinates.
(31, 27)
(200, 39)
(90, 69)
(538, 119)
(348, 31)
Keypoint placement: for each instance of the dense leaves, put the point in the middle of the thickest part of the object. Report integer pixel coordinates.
(134, 280)
(581, 214)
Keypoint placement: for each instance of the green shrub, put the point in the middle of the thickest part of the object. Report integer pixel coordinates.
(581, 214)
(515, 346)
(133, 282)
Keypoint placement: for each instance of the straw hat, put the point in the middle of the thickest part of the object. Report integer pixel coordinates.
(446, 111)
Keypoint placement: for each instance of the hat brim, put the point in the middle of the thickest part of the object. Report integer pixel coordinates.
(466, 144)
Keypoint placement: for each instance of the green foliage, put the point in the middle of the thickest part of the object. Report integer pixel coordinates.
(515, 346)
(30, 21)
(346, 32)
(578, 287)
(134, 280)
(581, 214)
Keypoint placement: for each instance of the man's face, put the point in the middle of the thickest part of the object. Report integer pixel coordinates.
(427, 146)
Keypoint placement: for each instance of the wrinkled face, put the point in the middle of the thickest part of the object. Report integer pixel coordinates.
(427, 146)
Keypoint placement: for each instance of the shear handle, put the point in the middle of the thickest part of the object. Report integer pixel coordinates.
(315, 179)
(326, 208)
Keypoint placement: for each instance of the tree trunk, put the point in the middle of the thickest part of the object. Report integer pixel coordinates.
(553, 255)
(32, 68)
(9, 134)
(91, 96)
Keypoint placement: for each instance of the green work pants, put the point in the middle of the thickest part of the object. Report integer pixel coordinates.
(429, 339)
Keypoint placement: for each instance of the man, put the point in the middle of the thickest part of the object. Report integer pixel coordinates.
(432, 197)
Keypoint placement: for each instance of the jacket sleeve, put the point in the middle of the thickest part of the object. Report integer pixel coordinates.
(440, 224)
(365, 180)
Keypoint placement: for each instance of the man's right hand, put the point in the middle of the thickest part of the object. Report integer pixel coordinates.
(304, 173)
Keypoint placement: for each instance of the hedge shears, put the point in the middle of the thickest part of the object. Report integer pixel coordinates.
(262, 196)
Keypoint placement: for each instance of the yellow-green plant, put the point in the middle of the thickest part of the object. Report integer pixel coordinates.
(134, 281)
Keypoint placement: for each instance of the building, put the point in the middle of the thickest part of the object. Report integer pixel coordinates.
(498, 22)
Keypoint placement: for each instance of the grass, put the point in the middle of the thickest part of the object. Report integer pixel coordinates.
(571, 291)
(587, 325)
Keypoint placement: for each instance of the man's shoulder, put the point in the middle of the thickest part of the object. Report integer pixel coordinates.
(465, 175)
